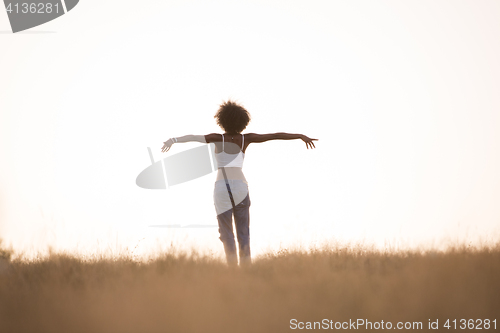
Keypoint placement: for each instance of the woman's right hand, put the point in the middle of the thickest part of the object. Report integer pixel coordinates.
(166, 145)
(309, 142)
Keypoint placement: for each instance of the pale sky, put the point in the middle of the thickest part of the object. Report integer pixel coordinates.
(402, 95)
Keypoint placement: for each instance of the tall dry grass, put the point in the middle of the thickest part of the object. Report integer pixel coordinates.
(179, 293)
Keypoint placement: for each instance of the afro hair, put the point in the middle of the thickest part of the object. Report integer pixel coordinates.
(232, 117)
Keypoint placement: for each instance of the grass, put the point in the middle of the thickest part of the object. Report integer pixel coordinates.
(176, 292)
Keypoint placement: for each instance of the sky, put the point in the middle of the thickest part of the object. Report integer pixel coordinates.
(402, 95)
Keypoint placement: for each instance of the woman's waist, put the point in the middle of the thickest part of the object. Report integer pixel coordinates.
(232, 173)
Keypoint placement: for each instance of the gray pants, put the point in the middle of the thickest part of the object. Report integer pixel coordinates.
(241, 197)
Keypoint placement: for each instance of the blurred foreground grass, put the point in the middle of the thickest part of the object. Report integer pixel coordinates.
(176, 292)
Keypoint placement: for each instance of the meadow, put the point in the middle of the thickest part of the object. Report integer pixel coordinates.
(326, 288)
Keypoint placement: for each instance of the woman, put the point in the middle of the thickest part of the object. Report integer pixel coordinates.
(231, 195)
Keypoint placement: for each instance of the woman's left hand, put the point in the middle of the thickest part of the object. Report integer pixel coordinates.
(309, 142)
(166, 145)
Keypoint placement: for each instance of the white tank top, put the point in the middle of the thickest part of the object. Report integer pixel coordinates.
(230, 160)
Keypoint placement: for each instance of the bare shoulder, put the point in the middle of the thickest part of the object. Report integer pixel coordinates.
(254, 137)
(213, 137)
(249, 136)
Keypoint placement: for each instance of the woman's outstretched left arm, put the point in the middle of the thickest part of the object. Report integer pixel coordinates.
(186, 138)
(253, 137)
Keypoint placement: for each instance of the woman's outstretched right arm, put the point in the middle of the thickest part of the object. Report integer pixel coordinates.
(253, 137)
(186, 138)
(213, 137)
